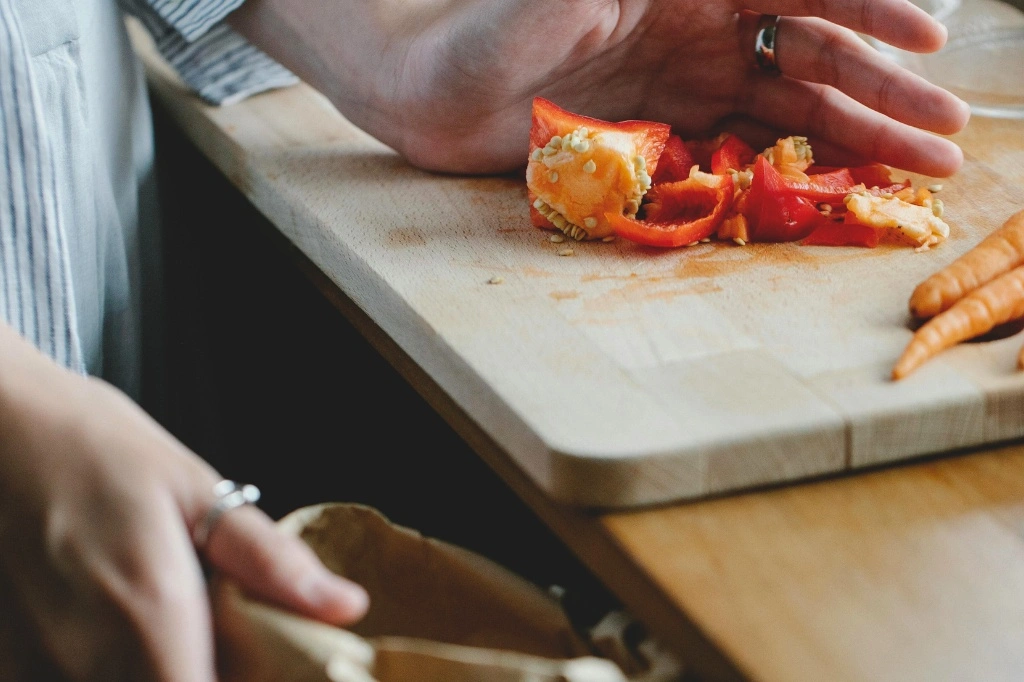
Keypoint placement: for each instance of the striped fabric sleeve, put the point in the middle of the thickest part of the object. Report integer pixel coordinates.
(193, 18)
(36, 292)
(213, 60)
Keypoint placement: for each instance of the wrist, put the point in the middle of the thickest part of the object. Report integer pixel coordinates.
(29, 383)
(379, 63)
(323, 42)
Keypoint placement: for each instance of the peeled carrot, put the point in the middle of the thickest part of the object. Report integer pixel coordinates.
(997, 253)
(988, 306)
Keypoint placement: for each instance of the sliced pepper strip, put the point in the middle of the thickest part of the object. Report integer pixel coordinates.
(823, 188)
(678, 213)
(876, 177)
(732, 154)
(549, 120)
(869, 175)
(775, 210)
(675, 162)
(834, 233)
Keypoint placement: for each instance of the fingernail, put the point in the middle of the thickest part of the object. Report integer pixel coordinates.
(965, 111)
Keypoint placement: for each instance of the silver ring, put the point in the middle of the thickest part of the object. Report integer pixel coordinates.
(764, 43)
(229, 495)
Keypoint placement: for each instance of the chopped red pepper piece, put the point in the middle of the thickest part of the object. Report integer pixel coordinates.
(889, 189)
(774, 209)
(732, 154)
(701, 151)
(675, 162)
(876, 177)
(833, 233)
(594, 167)
(823, 188)
(869, 175)
(872, 175)
(549, 120)
(589, 179)
(678, 213)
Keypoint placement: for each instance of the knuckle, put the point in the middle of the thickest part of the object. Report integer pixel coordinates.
(866, 11)
(817, 105)
(829, 69)
(886, 97)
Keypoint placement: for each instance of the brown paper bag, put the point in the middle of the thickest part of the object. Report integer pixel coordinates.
(438, 613)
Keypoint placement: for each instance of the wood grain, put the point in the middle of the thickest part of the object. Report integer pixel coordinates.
(913, 573)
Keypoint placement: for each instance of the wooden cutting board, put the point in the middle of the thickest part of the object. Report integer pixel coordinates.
(624, 375)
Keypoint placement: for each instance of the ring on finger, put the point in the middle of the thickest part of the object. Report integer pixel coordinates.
(764, 44)
(229, 495)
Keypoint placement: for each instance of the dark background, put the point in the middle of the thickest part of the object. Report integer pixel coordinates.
(267, 380)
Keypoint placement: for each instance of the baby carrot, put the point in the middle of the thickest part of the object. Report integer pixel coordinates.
(991, 304)
(992, 256)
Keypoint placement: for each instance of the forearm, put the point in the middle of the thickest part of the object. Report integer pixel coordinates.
(405, 72)
(338, 47)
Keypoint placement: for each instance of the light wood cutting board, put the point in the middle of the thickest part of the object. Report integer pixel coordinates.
(625, 375)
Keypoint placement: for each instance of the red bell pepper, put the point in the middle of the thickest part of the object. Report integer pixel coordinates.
(549, 120)
(872, 175)
(833, 233)
(675, 162)
(701, 151)
(732, 154)
(579, 193)
(890, 189)
(678, 213)
(823, 188)
(775, 210)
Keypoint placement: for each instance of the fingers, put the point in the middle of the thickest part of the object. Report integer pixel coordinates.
(279, 568)
(115, 592)
(159, 580)
(814, 50)
(823, 112)
(838, 90)
(897, 22)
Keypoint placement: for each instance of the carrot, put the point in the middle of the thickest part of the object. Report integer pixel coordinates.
(997, 253)
(991, 304)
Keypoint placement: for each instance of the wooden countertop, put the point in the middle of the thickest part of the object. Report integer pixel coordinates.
(914, 572)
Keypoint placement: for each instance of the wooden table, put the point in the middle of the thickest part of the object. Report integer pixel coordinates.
(914, 572)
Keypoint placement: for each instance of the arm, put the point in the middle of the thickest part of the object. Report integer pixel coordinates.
(97, 507)
(448, 83)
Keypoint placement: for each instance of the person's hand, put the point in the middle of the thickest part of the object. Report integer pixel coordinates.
(449, 83)
(98, 506)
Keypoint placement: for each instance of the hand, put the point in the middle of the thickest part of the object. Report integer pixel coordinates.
(97, 507)
(448, 83)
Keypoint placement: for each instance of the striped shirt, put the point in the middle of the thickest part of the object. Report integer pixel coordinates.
(212, 59)
(77, 206)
